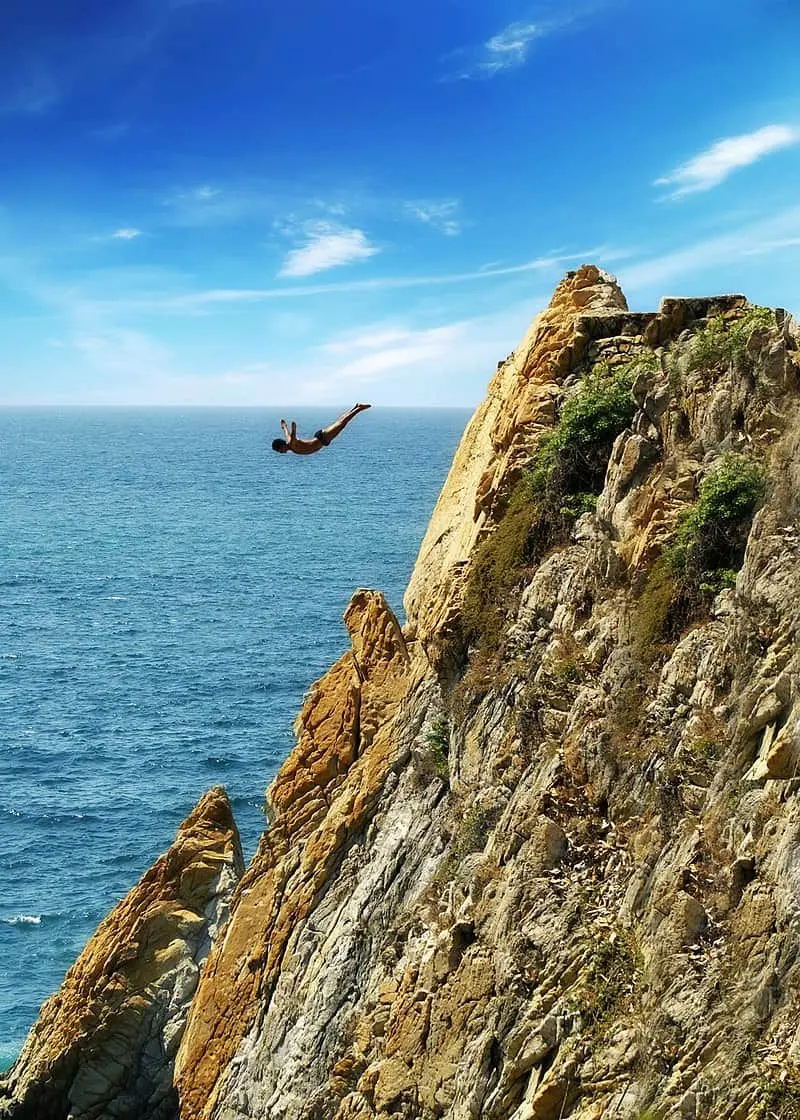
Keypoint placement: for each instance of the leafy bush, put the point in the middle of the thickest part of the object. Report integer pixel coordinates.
(653, 607)
(496, 568)
(723, 342)
(570, 464)
(706, 555)
(778, 1095)
(712, 536)
(566, 475)
(438, 740)
(614, 967)
(472, 836)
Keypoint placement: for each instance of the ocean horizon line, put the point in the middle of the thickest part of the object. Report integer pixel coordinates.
(43, 407)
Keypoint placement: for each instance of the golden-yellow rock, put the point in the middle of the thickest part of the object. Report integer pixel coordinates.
(104, 1044)
(321, 796)
(519, 406)
(558, 880)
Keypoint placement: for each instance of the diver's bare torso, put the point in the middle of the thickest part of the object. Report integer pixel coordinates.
(301, 446)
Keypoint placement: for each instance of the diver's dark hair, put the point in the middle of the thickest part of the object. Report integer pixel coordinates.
(280, 445)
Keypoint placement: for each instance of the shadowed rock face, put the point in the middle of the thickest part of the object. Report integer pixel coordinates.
(555, 876)
(319, 804)
(104, 1045)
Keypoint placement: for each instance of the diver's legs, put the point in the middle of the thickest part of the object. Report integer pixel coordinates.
(333, 430)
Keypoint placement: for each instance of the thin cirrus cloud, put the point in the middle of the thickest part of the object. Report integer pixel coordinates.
(442, 216)
(506, 50)
(762, 238)
(405, 349)
(126, 233)
(327, 246)
(511, 46)
(714, 165)
(205, 299)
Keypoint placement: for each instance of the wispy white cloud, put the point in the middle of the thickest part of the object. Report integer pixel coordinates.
(371, 338)
(442, 215)
(375, 351)
(757, 239)
(327, 246)
(220, 296)
(126, 233)
(511, 46)
(159, 291)
(506, 50)
(714, 165)
(204, 193)
(208, 205)
(395, 360)
(415, 348)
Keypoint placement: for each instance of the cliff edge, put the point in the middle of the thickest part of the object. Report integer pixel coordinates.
(535, 854)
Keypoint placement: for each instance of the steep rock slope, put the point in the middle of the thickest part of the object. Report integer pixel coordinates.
(574, 889)
(319, 804)
(536, 855)
(104, 1045)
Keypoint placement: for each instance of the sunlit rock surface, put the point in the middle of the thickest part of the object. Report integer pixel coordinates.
(556, 874)
(104, 1045)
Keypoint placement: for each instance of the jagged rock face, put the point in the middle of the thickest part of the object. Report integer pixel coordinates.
(557, 875)
(104, 1045)
(320, 804)
(591, 910)
(520, 404)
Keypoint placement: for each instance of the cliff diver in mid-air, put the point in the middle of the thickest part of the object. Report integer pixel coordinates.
(321, 438)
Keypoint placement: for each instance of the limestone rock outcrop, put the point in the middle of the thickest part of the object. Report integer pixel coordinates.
(540, 861)
(520, 404)
(319, 805)
(104, 1045)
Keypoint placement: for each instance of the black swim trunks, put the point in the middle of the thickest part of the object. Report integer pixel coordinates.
(323, 439)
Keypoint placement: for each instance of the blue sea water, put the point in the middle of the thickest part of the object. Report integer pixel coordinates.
(169, 588)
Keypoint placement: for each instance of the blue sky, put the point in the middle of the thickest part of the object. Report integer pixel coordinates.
(233, 202)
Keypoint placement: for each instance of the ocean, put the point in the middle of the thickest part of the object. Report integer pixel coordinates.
(170, 589)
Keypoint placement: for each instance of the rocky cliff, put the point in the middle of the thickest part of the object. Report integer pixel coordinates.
(536, 854)
(104, 1045)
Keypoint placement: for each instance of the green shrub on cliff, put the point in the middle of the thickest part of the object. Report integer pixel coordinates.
(570, 464)
(496, 568)
(778, 1094)
(472, 835)
(565, 477)
(707, 552)
(712, 536)
(613, 972)
(438, 741)
(723, 342)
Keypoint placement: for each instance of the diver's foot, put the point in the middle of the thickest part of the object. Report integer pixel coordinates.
(362, 407)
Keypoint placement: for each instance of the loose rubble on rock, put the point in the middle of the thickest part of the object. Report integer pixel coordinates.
(536, 854)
